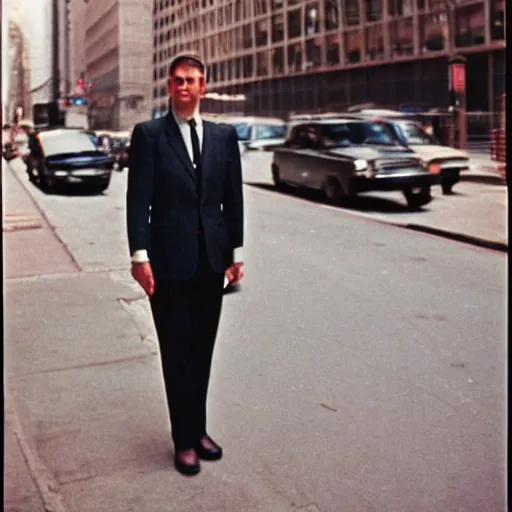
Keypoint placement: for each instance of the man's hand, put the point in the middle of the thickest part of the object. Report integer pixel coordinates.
(143, 274)
(235, 273)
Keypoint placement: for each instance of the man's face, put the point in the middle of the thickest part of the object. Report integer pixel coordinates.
(186, 86)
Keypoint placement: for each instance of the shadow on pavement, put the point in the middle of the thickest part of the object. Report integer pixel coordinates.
(71, 191)
(361, 203)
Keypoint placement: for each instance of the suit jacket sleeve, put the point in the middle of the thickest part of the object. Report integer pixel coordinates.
(233, 204)
(141, 169)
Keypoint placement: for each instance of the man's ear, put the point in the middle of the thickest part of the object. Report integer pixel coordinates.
(202, 86)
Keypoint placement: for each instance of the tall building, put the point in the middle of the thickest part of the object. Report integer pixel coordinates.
(307, 55)
(77, 10)
(18, 91)
(118, 62)
(16, 65)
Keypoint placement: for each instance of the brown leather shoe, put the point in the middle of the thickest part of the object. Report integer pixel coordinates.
(214, 453)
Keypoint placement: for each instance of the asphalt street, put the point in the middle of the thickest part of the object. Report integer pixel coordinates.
(361, 368)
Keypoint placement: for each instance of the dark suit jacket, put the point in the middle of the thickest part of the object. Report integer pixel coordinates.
(164, 210)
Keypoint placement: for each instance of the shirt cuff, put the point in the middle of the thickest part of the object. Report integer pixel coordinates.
(140, 256)
(238, 255)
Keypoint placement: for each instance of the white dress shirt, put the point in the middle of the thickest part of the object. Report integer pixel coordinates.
(141, 256)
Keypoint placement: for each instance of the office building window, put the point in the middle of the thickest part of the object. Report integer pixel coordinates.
(313, 53)
(469, 25)
(260, 7)
(433, 32)
(373, 10)
(248, 64)
(331, 15)
(238, 68)
(295, 57)
(374, 43)
(294, 24)
(262, 63)
(262, 32)
(247, 36)
(311, 19)
(497, 16)
(352, 43)
(277, 28)
(401, 37)
(351, 13)
(332, 48)
(278, 61)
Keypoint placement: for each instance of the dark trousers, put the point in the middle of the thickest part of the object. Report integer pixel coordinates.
(186, 316)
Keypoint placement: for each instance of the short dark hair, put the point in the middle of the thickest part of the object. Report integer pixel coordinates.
(188, 59)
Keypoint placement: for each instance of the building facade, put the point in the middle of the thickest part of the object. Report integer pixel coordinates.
(311, 55)
(18, 89)
(117, 50)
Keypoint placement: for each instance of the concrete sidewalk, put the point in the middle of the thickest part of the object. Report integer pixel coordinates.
(29, 248)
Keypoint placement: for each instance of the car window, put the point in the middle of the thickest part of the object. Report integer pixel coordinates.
(357, 132)
(243, 131)
(66, 142)
(270, 131)
(294, 138)
(415, 134)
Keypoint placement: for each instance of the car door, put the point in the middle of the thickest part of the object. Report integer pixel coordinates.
(311, 159)
(287, 157)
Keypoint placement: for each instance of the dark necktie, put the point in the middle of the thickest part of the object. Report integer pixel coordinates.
(195, 149)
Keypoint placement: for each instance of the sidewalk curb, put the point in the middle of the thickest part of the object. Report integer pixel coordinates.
(459, 237)
(46, 485)
(484, 178)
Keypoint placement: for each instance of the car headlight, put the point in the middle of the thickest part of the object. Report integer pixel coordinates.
(360, 165)
(363, 168)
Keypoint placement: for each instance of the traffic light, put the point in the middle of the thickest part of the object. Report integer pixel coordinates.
(78, 101)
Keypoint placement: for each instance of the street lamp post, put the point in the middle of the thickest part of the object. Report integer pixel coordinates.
(456, 81)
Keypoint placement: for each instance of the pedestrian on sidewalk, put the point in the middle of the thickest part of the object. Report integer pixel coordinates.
(185, 233)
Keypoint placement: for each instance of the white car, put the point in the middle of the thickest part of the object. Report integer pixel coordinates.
(257, 133)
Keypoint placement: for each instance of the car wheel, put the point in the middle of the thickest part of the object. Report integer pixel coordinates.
(276, 178)
(333, 191)
(446, 186)
(47, 183)
(417, 198)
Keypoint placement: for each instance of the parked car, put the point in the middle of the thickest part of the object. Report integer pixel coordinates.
(445, 162)
(343, 157)
(257, 133)
(68, 156)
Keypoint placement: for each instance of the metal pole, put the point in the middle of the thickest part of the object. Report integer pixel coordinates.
(67, 49)
(55, 51)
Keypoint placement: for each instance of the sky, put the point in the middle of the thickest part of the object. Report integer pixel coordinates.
(34, 19)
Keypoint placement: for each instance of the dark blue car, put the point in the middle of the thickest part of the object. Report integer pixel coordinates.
(68, 156)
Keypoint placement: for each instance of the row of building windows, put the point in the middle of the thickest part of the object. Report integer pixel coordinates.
(272, 30)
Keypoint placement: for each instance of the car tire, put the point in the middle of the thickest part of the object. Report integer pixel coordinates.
(415, 200)
(276, 178)
(446, 187)
(47, 183)
(333, 191)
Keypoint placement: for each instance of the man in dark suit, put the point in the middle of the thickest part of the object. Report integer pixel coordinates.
(185, 233)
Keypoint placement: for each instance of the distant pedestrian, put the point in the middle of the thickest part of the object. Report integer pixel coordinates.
(185, 233)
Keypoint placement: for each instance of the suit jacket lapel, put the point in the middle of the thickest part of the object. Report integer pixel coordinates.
(175, 140)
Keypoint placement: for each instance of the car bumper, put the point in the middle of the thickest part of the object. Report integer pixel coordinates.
(82, 178)
(448, 170)
(388, 182)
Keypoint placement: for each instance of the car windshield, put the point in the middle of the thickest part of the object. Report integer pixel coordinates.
(243, 131)
(66, 142)
(415, 134)
(356, 133)
(265, 131)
